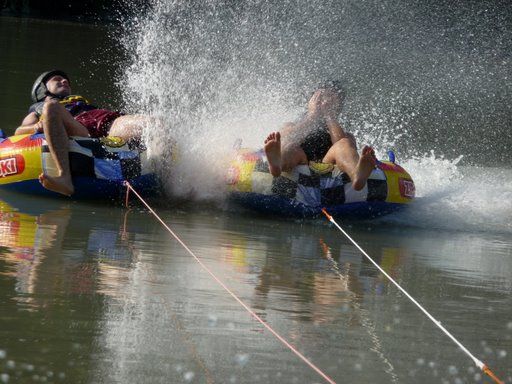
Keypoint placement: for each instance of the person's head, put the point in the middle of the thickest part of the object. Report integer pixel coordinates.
(53, 83)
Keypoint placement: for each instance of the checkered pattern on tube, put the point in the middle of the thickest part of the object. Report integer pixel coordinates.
(91, 158)
(318, 190)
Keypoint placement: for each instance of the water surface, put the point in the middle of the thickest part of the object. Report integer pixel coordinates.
(101, 294)
(94, 293)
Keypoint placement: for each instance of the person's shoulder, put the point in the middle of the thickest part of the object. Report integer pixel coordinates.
(36, 108)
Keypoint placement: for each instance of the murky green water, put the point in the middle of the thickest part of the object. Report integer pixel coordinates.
(29, 47)
(91, 293)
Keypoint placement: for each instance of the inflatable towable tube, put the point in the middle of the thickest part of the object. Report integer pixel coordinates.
(307, 189)
(98, 166)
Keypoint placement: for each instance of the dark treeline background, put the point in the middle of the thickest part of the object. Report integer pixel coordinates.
(72, 10)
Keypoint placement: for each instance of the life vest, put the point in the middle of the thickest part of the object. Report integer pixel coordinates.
(74, 104)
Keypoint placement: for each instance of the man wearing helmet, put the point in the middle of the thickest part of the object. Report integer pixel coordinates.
(59, 115)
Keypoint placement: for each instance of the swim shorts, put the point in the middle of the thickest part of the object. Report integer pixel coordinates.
(316, 144)
(97, 121)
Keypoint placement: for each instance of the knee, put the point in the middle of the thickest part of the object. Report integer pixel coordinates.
(125, 129)
(340, 143)
(339, 149)
(348, 140)
(52, 108)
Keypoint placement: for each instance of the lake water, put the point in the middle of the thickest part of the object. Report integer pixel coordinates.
(97, 293)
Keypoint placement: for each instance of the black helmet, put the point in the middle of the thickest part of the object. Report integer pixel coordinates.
(39, 90)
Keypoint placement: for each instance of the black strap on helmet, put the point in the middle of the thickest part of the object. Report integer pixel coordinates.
(39, 90)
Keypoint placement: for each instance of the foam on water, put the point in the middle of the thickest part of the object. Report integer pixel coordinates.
(460, 198)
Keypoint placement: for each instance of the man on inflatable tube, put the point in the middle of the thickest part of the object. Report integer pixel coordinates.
(59, 115)
(318, 136)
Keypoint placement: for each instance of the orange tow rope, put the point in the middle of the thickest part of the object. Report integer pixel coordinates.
(228, 290)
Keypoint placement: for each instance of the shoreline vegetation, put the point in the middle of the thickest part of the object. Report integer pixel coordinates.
(82, 11)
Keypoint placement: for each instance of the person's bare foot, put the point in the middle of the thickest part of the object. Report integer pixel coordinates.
(365, 166)
(273, 151)
(57, 184)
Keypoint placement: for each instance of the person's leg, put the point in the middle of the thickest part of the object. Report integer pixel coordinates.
(58, 141)
(73, 127)
(282, 158)
(272, 149)
(130, 126)
(344, 154)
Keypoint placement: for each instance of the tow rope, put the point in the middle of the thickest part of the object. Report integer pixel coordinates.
(226, 288)
(478, 363)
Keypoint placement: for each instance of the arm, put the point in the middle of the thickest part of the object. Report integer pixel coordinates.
(335, 129)
(296, 132)
(337, 132)
(331, 109)
(30, 124)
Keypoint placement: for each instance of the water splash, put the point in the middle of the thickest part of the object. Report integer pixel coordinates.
(204, 72)
(460, 198)
(217, 71)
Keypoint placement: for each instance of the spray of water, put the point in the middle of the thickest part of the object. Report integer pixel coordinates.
(216, 71)
(458, 198)
(210, 75)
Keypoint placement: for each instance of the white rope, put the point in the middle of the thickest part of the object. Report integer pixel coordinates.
(478, 363)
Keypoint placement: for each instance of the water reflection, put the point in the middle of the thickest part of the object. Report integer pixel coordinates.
(42, 266)
(485, 260)
(320, 274)
(25, 239)
(56, 264)
(125, 301)
(313, 278)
